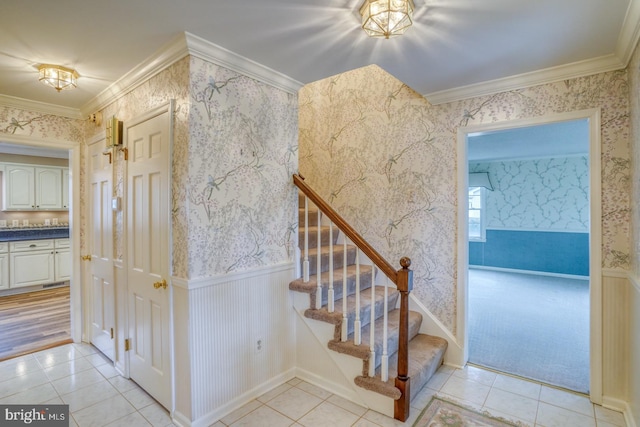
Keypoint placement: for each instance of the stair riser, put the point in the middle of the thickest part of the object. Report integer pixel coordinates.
(313, 237)
(338, 258)
(393, 344)
(313, 217)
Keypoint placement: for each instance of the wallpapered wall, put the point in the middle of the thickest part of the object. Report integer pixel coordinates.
(633, 376)
(542, 194)
(386, 160)
(242, 153)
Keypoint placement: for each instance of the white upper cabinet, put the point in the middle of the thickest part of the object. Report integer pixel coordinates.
(29, 187)
(19, 187)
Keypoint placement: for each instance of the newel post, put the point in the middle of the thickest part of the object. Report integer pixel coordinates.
(403, 382)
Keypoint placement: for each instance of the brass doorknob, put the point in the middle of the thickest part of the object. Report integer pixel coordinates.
(158, 285)
(86, 257)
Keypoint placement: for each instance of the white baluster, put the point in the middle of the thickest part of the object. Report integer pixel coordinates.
(330, 305)
(384, 366)
(305, 263)
(345, 319)
(372, 329)
(357, 324)
(319, 267)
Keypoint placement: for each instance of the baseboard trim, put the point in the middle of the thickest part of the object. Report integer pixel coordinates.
(532, 272)
(220, 279)
(321, 382)
(236, 403)
(620, 406)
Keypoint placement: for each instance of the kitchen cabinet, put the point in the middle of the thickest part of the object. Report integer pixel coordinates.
(62, 260)
(30, 187)
(4, 265)
(19, 187)
(65, 188)
(31, 262)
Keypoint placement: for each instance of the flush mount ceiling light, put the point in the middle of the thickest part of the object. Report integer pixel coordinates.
(386, 18)
(58, 77)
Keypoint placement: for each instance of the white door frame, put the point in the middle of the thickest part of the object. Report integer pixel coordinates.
(595, 232)
(76, 293)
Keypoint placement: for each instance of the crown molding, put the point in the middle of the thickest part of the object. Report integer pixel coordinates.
(215, 54)
(548, 75)
(41, 107)
(154, 64)
(630, 33)
(178, 48)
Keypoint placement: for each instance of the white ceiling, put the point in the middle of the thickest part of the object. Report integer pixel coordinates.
(454, 48)
(560, 139)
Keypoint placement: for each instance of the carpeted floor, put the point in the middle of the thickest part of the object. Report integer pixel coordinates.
(531, 326)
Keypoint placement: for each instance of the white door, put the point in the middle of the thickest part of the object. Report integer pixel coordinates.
(148, 172)
(101, 250)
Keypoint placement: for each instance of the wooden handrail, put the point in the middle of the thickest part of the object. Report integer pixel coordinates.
(347, 229)
(403, 279)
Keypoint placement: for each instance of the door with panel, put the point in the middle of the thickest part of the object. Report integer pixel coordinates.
(148, 171)
(100, 218)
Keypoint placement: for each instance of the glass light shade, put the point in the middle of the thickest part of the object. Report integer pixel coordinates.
(58, 77)
(386, 18)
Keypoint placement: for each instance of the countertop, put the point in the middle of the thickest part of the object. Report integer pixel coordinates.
(12, 234)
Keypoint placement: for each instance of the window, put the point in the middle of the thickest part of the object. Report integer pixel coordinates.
(477, 214)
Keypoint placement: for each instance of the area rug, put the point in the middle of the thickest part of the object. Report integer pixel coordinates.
(443, 413)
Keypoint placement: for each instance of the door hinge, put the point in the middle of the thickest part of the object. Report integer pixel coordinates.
(111, 333)
(127, 344)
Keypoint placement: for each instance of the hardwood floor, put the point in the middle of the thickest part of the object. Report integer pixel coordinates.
(34, 321)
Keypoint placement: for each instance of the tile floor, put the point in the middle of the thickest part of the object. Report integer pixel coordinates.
(78, 375)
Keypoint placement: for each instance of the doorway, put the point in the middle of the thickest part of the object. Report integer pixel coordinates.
(524, 228)
(54, 165)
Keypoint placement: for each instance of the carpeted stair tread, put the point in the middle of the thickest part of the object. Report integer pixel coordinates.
(426, 353)
(313, 216)
(311, 286)
(393, 332)
(336, 318)
(338, 257)
(313, 236)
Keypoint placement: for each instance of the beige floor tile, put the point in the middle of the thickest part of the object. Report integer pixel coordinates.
(294, 403)
(512, 404)
(328, 415)
(553, 416)
(263, 417)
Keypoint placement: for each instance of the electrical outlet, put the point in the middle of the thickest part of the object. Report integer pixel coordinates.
(259, 345)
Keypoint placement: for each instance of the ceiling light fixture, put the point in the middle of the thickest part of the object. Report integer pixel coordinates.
(386, 18)
(58, 77)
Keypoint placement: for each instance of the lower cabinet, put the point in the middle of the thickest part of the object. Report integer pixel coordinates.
(62, 260)
(4, 265)
(38, 262)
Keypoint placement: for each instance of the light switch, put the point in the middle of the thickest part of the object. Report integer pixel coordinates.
(115, 203)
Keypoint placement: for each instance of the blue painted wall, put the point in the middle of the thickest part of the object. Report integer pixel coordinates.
(550, 252)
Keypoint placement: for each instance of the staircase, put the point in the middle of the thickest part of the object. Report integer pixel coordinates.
(351, 334)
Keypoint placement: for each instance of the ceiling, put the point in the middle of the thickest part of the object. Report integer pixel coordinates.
(456, 48)
(559, 139)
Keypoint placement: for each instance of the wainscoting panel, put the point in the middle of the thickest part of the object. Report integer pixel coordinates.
(633, 417)
(242, 336)
(615, 338)
(547, 251)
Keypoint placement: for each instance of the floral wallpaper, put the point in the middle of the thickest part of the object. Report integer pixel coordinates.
(171, 83)
(242, 153)
(634, 107)
(386, 160)
(542, 194)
